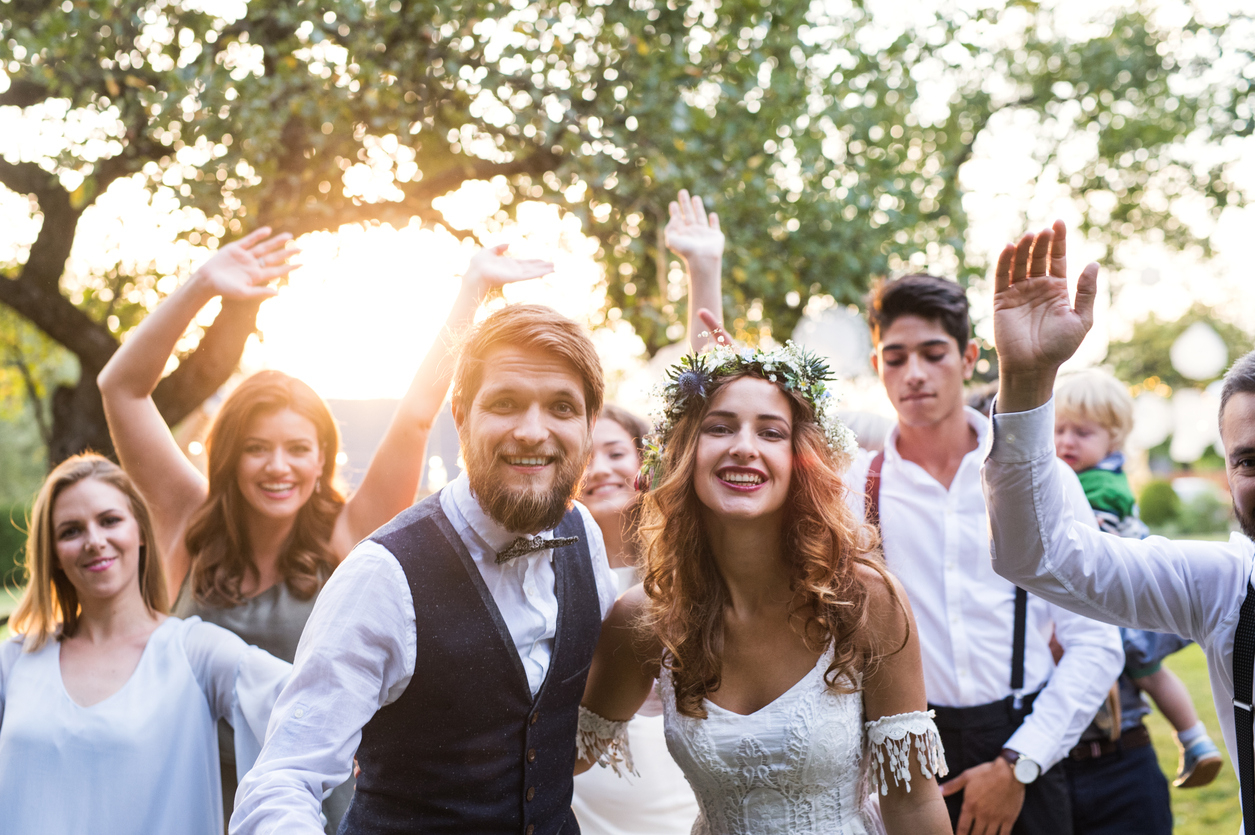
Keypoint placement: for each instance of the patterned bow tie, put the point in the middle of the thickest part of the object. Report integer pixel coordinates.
(525, 545)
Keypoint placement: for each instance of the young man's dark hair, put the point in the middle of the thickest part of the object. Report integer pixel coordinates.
(926, 296)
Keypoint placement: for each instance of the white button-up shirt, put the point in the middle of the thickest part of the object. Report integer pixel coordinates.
(936, 542)
(1194, 589)
(357, 654)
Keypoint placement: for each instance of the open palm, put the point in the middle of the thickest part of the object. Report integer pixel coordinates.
(1036, 325)
(491, 268)
(243, 270)
(691, 232)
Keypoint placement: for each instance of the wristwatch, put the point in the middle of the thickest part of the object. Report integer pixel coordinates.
(1024, 769)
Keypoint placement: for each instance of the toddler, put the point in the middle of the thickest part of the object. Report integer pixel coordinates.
(1093, 415)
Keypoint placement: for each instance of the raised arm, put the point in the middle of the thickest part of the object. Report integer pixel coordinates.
(1168, 586)
(392, 478)
(694, 236)
(173, 488)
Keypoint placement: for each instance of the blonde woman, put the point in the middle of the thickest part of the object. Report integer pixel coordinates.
(109, 706)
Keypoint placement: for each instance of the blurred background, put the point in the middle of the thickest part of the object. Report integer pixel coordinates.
(839, 142)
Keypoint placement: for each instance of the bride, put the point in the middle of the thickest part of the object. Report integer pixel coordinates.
(786, 656)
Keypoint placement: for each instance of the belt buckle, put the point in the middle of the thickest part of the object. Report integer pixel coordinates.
(1095, 749)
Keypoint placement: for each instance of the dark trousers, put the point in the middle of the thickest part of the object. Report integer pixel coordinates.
(975, 735)
(1121, 793)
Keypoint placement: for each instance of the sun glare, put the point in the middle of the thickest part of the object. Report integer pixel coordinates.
(356, 319)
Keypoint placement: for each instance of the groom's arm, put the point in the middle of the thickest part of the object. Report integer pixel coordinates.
(355, 656)
(1188, 588)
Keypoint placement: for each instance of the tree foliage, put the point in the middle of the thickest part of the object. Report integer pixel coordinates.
(830, 141)
(1144, 356)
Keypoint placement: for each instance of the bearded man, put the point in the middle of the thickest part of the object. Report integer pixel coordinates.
(449, 651)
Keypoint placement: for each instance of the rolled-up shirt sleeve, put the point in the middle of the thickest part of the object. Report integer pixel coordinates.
(356, 655)
(1092, 660)
(1179, 586)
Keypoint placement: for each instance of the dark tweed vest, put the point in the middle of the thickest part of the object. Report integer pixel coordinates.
(465, 748)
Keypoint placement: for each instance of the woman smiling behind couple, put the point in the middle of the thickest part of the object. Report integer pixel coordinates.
(765, 612)
(250, 547)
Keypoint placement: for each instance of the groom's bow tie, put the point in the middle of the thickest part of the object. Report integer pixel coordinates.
(525, 545)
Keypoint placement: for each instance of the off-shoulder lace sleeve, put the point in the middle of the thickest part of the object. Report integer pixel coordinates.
(605, 742)
(889, 743)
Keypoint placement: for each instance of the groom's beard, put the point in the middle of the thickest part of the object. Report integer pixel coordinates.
(527, 510)
(1246, 521)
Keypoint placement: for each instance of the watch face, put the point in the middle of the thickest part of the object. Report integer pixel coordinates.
(1026, 771)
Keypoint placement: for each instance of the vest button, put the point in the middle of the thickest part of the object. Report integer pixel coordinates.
(531, 827)
(531, 755)
(532, 721)
(531, 792)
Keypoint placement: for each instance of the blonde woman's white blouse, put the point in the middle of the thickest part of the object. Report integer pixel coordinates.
(146, 758)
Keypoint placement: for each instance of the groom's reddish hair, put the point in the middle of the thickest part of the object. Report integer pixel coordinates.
(534, 327)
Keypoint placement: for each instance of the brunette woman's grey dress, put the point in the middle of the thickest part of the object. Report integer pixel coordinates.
(272, 620)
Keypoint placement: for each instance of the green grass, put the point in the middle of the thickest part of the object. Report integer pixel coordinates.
(1212, 809)
(8, 601)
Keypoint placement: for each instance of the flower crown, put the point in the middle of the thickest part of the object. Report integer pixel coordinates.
(788, 365)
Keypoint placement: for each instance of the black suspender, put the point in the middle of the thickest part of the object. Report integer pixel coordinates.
(1017, 644)
(871, 505)
(1243, 664)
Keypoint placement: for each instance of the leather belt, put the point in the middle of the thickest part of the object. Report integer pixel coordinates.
(1137, 737)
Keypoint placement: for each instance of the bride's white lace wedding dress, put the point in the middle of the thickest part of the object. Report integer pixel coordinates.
(803, 765)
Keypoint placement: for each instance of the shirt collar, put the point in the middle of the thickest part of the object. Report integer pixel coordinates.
(976, 420)
(489, 530)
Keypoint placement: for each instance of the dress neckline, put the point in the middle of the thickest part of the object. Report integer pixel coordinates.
(825, 658)
(143, 656)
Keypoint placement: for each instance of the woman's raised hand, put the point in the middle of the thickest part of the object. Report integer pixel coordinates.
(243, 270)
(692, 233)
(491, 268)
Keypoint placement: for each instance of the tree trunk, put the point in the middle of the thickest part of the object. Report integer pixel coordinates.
(78, 421)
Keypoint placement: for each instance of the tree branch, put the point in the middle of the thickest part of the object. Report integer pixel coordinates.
(23, 93)
(418, 196)
(18, 360)
(56, 235)
(53, 313)
(205, 369)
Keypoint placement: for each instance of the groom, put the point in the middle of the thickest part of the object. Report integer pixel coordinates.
(449, 651)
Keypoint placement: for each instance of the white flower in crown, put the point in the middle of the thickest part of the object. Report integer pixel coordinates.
(787, 365)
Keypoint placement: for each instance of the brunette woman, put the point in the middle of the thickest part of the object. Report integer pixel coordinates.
(109, 707)
(250, 547)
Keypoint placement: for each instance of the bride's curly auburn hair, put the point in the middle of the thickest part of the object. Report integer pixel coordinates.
(825, 543)
(217, 538)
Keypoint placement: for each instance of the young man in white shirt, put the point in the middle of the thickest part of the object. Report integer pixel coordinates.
(1007, 714)
(1195, 589)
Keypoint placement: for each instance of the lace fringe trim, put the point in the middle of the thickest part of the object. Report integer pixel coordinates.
(889, 743)
(605, 742)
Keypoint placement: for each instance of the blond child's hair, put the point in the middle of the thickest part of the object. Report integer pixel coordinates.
(1098, 396)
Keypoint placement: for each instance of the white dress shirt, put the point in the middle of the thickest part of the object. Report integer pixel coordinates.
(357, 654)
(936, 542)
(1194, 589)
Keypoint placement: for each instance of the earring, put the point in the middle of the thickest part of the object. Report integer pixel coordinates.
(318, 485)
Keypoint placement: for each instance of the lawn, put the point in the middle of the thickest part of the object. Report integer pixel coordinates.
(1211, 809)
(8, 600)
